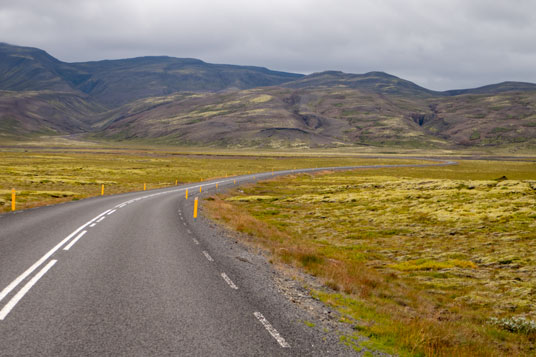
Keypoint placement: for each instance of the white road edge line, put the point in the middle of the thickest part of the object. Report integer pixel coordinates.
(229, 281)
(11, 304)
(73, 242)
(271, 330)
(38, 263)
(208, 256)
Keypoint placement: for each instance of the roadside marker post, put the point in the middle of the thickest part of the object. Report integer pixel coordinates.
(102, 190)
(176, 182)
(200, 189)
(13, 199)
(216, 185)
(144, 186)
(186, 194)
(195, 208)
(234, 182)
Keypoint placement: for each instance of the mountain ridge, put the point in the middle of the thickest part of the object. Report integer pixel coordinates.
(116, 82)
(187, 101)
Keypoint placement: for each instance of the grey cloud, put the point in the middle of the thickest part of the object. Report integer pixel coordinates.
(439, 44)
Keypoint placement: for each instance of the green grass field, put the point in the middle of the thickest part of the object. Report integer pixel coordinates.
(424, 261)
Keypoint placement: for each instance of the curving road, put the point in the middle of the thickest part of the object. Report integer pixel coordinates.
(134, 275)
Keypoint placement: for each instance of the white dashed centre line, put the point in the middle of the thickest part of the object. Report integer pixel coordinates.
(100, 219)
(209, 258)
(189, 231)
(229, 281)
(195, 241)
(93, 225)
(271, 330)
(112, 211)
(20, 294)
(73, 242)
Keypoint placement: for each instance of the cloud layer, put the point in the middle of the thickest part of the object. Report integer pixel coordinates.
(440, 44)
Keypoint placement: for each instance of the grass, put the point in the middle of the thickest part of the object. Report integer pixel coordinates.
(421, 260)
(47, 176)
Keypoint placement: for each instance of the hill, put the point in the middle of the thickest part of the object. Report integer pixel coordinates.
(115, 82)
(377, 82)
(189, 102)
(316, 117)
(31, 69)
(495, 88)
(31, 113)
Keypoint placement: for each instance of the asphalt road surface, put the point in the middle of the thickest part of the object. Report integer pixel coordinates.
(134, 275)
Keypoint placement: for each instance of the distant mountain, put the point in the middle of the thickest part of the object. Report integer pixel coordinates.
(31, 113)
(25, 68)
(377, 82)
(265, 117)
(189, 102)
(278, 117)
(116, 82)
(495, 88)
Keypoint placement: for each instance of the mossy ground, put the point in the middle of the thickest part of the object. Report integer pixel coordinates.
(420, 258)
(46, 176)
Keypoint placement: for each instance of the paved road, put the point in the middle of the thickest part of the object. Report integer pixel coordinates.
(134, 275)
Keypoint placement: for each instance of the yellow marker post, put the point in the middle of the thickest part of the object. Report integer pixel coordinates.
(102, 190)
(176, 182)
(13, 199)
(144, 186)
(200, 189)
(234, 182)
(186, 194)
(216, 185)
(195, 208)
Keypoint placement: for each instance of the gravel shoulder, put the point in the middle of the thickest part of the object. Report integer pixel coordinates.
(279, 288)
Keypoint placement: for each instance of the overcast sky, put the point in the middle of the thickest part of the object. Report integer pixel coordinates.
(439, 44)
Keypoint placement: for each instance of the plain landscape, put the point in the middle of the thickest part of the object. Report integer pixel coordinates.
(422, 261)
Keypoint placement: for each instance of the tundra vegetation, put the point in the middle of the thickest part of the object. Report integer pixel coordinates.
(48, 176)
(423, 261)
